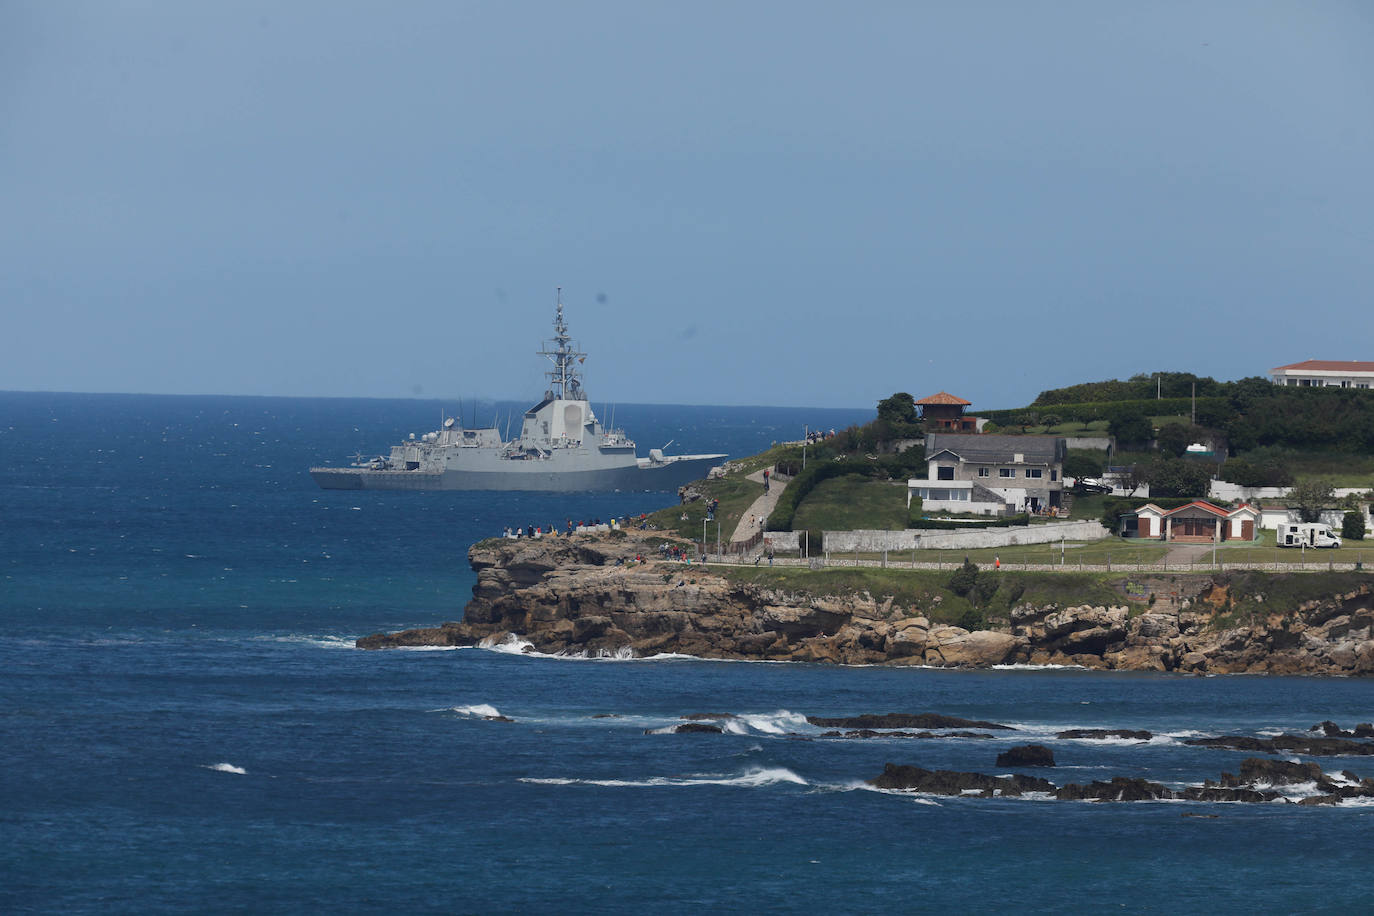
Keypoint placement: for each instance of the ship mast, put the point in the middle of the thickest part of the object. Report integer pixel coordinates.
(564, 381)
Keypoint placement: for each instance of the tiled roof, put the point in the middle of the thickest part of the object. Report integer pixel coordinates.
(1324, 365)
(944, 397)
(1200, 504)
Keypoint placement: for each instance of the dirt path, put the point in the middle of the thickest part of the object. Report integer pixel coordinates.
(753, 518)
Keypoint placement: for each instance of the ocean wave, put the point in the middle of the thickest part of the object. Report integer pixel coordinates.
(1027, 667)
(322, 642)
(511, 644)
(478, 710)
(751, 779)
(225, 768)
(781, 722)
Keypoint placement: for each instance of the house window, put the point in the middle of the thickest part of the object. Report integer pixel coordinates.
(1006, 472)
(983, 472)
(1034, 473)
(944, 473)
(1054, 475)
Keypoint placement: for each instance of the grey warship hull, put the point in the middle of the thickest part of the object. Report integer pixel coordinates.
(667, 476)
(562, 447)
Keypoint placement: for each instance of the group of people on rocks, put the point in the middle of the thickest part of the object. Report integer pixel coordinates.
(674, 552)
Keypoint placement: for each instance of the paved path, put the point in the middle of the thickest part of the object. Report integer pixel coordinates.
(750, 522)
(1180, 554)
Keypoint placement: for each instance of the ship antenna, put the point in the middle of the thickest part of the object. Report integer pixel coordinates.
(563, 377)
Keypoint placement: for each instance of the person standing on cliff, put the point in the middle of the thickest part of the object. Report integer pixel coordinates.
(765, 480)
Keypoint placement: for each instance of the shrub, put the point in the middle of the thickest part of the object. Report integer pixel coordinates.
(913, 512)
(973, 619)
(984, 589)
(963, 579)
(1352, 526)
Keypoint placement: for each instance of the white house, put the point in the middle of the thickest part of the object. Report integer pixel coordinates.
(1324, 373)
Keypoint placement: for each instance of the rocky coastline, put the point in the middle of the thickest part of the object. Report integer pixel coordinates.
(611, 594)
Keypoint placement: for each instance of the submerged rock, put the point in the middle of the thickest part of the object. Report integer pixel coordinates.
(951, 782)
(1104, 733)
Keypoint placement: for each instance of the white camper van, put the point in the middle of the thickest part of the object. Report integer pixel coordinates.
(1307, 534)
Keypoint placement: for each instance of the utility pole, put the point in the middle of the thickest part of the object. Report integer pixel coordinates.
(806, 434)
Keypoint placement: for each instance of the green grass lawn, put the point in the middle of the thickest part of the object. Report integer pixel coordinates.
(1092, 553)
(853, 501)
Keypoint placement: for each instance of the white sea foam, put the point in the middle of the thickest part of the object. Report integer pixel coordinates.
(482, 710)
(226, 768)
(323, 642)
(511, 644)
(781, 722)
(751, 779)
(1026, 667)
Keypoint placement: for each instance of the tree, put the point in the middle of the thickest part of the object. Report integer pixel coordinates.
(1174, 439)
(1170, 476)
(1310, 497)
(1352, 526)
(1076, 466)
(1262, 473)
(900, 408)
(1129, 426)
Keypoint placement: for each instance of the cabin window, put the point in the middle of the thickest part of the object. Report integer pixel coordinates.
(944, 472)
(983, 472)
(1006, 472)
(1034, 473)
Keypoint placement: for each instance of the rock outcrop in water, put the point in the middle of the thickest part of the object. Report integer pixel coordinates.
(1256, 782)
(590, 595)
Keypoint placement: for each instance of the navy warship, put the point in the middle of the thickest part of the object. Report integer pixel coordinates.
(562, 447)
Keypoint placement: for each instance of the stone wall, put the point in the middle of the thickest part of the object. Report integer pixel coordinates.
(782, 540)
(1101, 443)
(925, 539)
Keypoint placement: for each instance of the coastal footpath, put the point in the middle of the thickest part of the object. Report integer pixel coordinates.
(615, 594)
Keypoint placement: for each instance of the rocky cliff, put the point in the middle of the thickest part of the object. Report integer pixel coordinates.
(595, 595)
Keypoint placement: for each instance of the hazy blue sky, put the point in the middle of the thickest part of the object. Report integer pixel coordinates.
(745, 203)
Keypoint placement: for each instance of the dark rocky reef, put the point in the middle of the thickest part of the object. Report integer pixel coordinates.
(1101, 734)
(1255, 783)
(1289, 744)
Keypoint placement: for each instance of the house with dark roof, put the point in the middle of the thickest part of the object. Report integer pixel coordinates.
(1324, 373)
(1019, 473)
(1198, 522)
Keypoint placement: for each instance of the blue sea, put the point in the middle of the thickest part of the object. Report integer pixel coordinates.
(184, 724)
